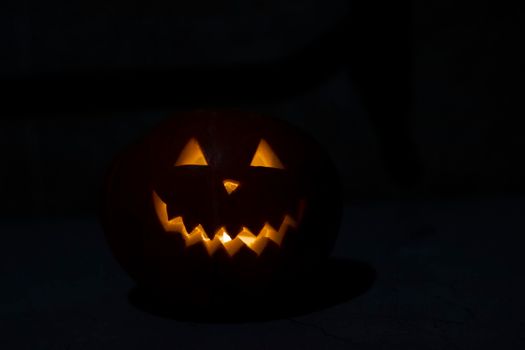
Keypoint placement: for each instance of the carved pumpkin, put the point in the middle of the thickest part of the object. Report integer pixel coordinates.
(220, 194)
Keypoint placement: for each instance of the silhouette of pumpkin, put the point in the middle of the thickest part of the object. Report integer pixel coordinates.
(220, 195)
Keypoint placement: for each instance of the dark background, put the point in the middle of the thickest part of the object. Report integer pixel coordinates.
(418, 105)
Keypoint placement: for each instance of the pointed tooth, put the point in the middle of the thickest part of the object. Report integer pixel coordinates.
(176, 225)
(191, 224)
(160, 208)
(267, 230)
(197, 235)
(246, 236)
(224, 237)
(276, 235)
(218, 234)
(172, 211)
(213, 244)
(233, 246)
(259, 245)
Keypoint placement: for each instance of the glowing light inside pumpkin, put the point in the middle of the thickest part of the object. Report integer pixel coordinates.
(230, 185)
(191, 154)
(245, 237)
(265, 157)
(223, 235)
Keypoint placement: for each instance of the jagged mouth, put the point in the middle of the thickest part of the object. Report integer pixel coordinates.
(244, 238)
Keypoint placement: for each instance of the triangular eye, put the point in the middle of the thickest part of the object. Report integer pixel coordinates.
(191, 154)
(265, 157)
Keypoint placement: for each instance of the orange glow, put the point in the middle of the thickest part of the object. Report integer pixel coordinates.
(230, 185)
(265, 157)
(191, 154)
(245, 237)
(223, 235)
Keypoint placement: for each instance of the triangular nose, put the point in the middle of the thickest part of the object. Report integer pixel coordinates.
(230, 185)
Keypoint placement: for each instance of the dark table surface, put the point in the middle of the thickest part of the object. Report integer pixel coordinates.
(448, 276)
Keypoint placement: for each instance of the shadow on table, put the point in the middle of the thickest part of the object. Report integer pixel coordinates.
(336, 282)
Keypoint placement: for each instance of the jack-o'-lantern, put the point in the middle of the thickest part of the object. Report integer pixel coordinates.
(220, 195)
